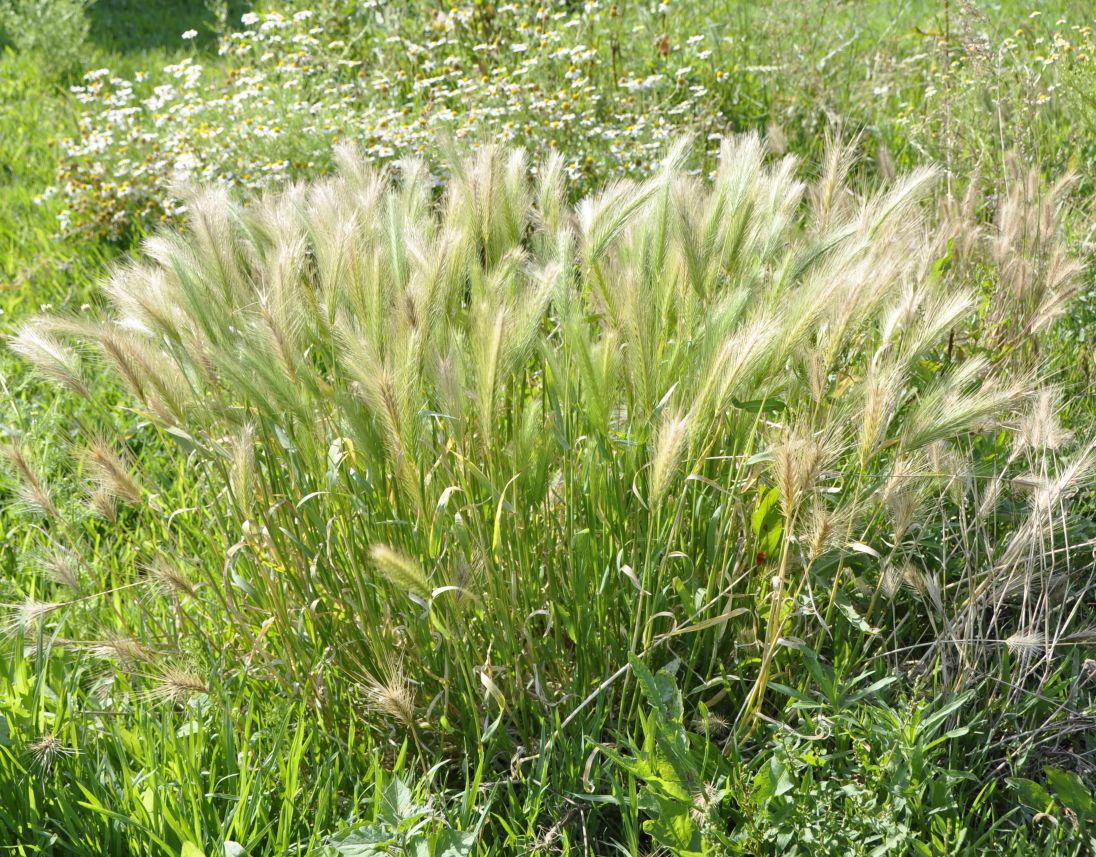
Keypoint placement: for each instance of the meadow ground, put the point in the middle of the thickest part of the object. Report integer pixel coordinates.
(564, 428)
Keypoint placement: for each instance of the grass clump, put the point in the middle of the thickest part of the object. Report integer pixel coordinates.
(474, 463)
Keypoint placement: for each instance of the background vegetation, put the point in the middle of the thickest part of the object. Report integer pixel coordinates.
(488, 505)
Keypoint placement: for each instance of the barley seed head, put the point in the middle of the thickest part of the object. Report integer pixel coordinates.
(46, 750)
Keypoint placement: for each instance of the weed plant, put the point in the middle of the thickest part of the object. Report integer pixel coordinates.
(470, 460)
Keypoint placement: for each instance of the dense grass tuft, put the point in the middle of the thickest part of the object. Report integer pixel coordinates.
(469, 455)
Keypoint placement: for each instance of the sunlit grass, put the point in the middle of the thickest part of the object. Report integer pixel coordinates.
(495, 504)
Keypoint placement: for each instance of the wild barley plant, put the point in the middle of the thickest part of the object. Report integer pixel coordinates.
(471, 449)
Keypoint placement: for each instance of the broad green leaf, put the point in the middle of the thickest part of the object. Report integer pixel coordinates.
(660, 691)
(1031, 794)
(455, 843)
(396, 804)
(770, 541)
(362, 842)
(785, 782)
(1071, 792)
(673, 828)
(852, 614)
(761, 514)
(667, 727)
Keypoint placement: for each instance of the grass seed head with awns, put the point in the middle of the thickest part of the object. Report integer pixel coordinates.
(469, 450)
